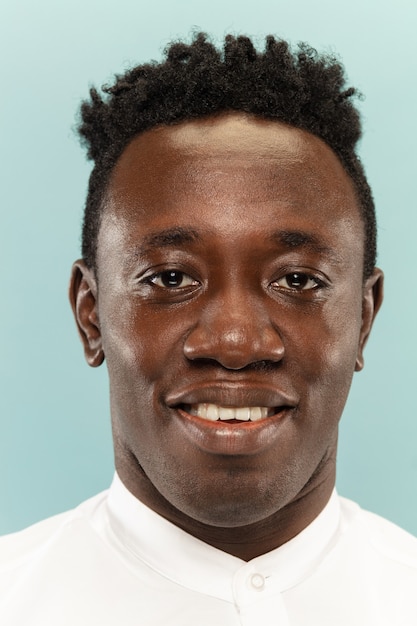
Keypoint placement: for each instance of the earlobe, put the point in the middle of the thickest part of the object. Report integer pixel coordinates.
(83, 298)
(373, 293)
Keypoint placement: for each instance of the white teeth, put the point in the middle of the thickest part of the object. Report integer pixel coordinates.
(226, 413)
(243, 413)
(213, 412)
(256, 413)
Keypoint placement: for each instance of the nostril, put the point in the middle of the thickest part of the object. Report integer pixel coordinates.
(234, 341)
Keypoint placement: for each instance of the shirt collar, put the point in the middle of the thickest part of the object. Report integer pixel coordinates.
(192, 563)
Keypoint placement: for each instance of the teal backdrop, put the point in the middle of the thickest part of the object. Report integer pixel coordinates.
(55, 440)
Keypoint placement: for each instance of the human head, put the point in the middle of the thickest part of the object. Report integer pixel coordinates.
(229, 275)
(302, 89)
(204, 221)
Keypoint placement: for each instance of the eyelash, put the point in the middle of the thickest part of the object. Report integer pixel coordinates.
(302, 277)
(170, 273)
(175, 275)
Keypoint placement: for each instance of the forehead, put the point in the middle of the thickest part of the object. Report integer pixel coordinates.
(222, 167)
(235, 139)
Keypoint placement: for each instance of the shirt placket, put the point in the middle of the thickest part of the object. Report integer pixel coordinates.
(258, 598)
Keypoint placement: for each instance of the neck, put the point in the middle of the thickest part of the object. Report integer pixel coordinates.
(248, 541)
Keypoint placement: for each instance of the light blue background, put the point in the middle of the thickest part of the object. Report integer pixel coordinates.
(55, 445)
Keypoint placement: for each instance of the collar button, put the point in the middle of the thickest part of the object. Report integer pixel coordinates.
(257, 582)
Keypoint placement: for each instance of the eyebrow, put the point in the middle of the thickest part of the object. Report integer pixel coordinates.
(290, 239)
(170, 237)
(293, 239)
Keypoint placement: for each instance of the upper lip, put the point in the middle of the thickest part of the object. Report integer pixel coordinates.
(231, 394)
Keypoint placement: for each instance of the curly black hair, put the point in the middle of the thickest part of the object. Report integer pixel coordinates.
(301, 88)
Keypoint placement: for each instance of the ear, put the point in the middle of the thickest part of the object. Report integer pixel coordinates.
(373, 293)
(83, 298)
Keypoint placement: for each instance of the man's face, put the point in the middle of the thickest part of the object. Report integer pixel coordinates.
(232, 313)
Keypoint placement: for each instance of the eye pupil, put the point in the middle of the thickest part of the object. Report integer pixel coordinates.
(297, 280)
(171, 279)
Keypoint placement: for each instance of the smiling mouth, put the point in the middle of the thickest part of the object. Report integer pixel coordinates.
(216, 413)
(232, 417)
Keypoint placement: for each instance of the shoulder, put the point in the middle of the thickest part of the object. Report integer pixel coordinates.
(387, 541)
(18, 548)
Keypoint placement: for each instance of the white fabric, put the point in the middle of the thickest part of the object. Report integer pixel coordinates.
(114, 562)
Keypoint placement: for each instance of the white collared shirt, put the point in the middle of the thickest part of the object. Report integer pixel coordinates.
(114, 562)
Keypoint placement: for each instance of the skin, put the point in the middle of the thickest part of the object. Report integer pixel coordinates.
(267, 306)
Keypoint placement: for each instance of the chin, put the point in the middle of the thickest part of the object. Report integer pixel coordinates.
(236, 506)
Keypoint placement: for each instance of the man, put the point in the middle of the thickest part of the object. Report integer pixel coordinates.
(228, 278)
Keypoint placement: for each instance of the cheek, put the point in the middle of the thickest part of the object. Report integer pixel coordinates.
(142, 350)
(325, 357)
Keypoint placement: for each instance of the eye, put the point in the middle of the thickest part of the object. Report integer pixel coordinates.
(172, 279)
(298, 281)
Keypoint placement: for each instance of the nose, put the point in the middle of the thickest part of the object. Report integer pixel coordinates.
(235, 332)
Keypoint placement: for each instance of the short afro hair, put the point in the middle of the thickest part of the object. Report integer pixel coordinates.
(301, 88)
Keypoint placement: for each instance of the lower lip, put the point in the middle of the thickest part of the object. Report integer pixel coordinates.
(232, 439)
